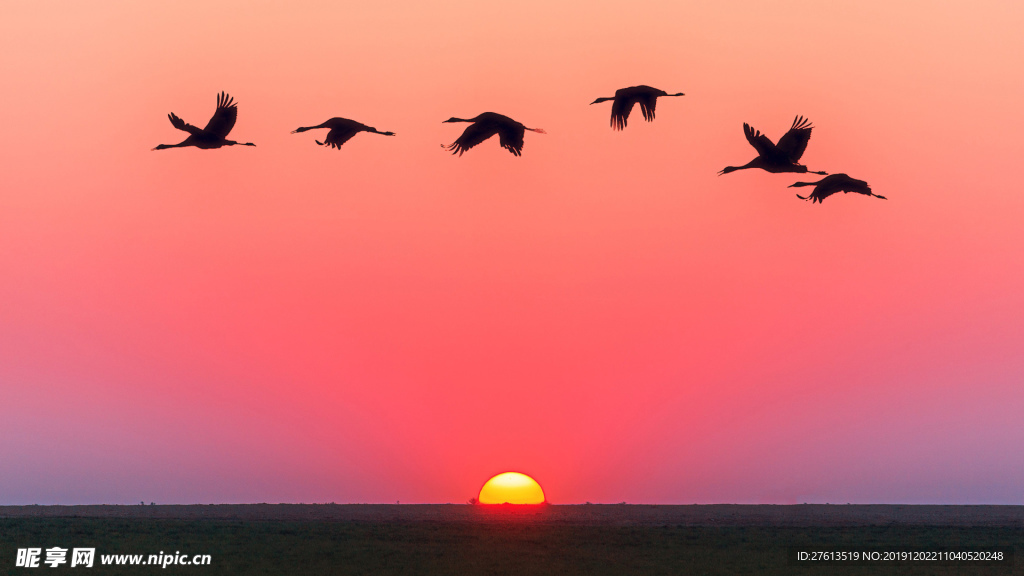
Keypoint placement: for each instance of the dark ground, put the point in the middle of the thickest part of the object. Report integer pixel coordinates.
(462, 539)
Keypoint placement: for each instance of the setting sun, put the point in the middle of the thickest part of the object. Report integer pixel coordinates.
(511, 488)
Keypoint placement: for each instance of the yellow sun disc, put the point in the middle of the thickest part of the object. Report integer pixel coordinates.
(511, 488)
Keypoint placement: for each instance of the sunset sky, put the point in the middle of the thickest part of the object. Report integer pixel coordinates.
(387, 322)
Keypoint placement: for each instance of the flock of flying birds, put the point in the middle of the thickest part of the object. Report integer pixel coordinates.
(780, 157)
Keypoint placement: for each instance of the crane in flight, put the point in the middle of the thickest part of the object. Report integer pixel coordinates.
(483, 126)
(781, 157)
(832, 184)
(625, 98)
(341, 130)
(214, 135)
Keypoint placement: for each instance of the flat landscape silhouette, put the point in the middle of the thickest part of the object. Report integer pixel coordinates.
(515, 540)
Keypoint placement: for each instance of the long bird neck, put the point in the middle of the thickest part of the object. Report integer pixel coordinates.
(752, 164)
(602, 100)
(178, 145)
(304, 128)
(802, 184)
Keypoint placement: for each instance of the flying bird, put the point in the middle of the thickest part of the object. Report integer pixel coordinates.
(781, 157)
(486, 125)
(831, 184)
(214, 135)
(625, 98)
(342, 130)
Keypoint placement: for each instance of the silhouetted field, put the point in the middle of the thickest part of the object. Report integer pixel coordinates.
(461, 539)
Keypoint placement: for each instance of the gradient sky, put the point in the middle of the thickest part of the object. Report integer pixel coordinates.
(387, 322)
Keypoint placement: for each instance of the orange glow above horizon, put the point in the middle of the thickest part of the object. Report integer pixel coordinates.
(511, 488)
(388, 321)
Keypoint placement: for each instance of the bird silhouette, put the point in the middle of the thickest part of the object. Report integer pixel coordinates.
(625, 98)
(486, 125)
(342, 130)
(833, 183)
(781, 157)
(214, 135)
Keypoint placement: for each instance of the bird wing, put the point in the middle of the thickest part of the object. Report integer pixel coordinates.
(181, 125)
(338, 136)
(793, 143)
(840, 183)
(820, 193)
(224, 118)
(621, 107)
(760, 142)
(858, 186)
(512, 138)
(647, 104)
(474, 134)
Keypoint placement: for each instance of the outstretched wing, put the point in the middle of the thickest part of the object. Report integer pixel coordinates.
(474, 134)
(224, 118)
(181, 125)
(838, 183)
(793, 143)
(621, 107)
(512, 138)
(820, 193)
(760, 142)
(647, 104)
(338, 136)
(858, 186)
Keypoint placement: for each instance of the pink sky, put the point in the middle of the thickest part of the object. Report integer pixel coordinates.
(386, 322)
